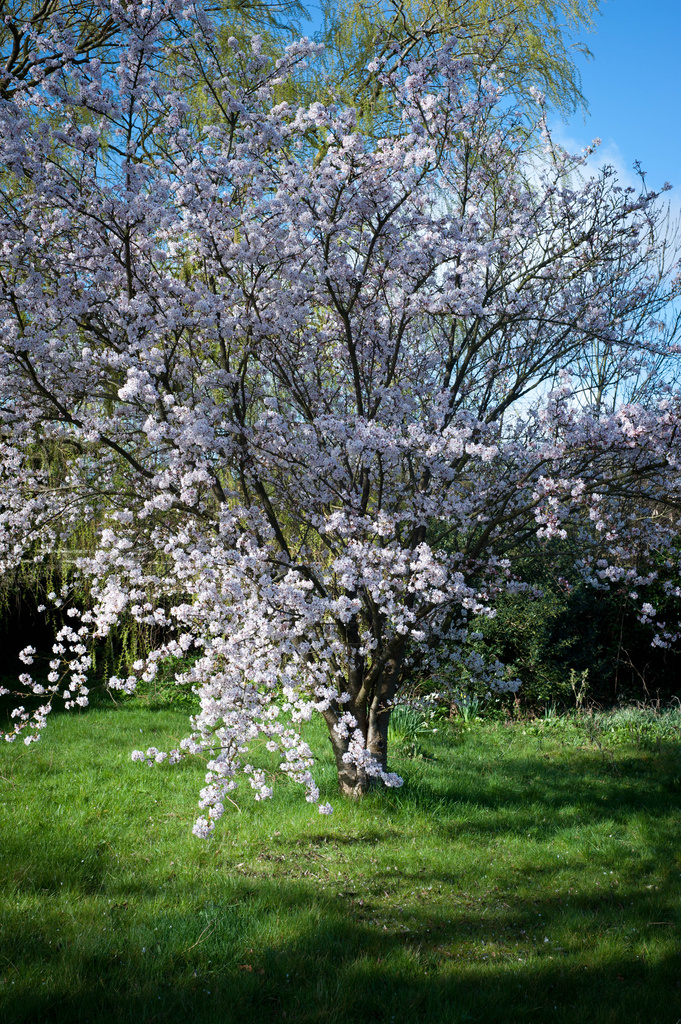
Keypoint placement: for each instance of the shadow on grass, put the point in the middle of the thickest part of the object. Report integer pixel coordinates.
(335, 966)
(121, 942)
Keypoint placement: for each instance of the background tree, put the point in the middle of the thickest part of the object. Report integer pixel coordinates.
(530, 45)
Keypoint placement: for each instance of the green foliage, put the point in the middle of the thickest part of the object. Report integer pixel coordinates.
(165, 691)
(580, 687)
(543, 639)
(571, 644)
(519, 877)
(470, 708)
(408, 723)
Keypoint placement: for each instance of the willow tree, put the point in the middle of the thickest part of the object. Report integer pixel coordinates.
(531, 45)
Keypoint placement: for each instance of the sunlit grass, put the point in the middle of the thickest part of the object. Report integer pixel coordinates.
(523, 875)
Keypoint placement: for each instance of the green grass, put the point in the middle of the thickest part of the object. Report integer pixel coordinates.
(524, 874)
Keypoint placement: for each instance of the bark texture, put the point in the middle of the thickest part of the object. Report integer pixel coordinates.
(371, 708)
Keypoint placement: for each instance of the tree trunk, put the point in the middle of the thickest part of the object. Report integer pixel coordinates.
(372, 721)
(352, 781)
(377, 733)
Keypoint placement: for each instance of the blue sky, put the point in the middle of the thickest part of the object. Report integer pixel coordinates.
(633, 87)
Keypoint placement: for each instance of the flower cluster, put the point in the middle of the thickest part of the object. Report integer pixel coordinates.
(66, 679)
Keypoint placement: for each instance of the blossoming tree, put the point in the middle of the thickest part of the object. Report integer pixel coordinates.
(316, 390)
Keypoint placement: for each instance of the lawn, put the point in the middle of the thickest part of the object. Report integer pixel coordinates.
(523, 873)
